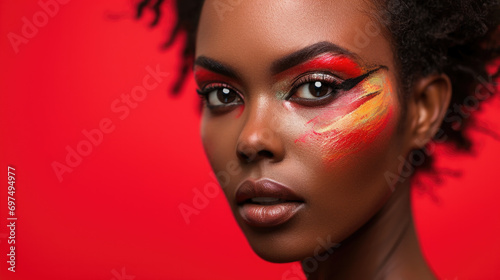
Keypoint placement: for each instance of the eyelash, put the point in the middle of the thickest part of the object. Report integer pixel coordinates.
(206, 90)
(313, 76)
(203, 93)
(330, 80)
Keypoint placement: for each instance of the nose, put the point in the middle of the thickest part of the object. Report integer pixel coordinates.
(259, 139)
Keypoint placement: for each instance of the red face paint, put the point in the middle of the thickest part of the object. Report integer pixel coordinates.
(346, 128)
(331, 62)
(240, 112)
(334, 114)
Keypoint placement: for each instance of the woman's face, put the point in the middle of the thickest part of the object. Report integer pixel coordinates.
(301, 117)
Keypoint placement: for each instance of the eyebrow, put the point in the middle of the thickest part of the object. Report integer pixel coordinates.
(306, 54)
(281, 64)
(216, 66)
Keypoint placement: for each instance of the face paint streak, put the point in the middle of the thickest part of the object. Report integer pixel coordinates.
(336, 112)
(351, 132)
(241, 108)
(355, 104)
(345, 143)
(334, 63)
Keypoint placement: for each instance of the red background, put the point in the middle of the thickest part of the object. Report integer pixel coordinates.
(117, 213)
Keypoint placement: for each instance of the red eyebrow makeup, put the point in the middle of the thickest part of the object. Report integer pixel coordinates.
(202, 75)
(332, 62)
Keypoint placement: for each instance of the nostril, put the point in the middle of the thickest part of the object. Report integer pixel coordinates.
(251, 156)
(265, 154)
(243, 156)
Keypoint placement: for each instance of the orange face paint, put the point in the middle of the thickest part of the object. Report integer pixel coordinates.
(354, 122)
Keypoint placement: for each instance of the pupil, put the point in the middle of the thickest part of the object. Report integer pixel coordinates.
(225, 95)
(317, 89)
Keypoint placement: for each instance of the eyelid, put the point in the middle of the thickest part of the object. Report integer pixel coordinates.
(315, 76)
(213, 85)
(221, 108)
(205, 90)
(308, 77)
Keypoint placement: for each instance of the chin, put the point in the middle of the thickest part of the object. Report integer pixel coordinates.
(288, 243)
(280, 254)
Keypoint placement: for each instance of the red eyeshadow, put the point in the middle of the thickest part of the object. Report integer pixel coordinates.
(334, 63)
(203, 75)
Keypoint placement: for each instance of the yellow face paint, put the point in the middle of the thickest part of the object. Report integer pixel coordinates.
(348, 128)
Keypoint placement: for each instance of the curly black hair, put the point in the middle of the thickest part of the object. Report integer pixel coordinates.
(459, 38)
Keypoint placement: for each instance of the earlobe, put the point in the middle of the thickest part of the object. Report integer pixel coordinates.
(431, 98)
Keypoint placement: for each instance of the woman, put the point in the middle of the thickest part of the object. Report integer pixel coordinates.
(316, 113)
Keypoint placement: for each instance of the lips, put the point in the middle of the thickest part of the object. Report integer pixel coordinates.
(266, 203)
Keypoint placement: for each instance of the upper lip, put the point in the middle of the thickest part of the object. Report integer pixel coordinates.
(249, 189)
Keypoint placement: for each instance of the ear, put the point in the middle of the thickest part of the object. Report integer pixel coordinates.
(430, 100)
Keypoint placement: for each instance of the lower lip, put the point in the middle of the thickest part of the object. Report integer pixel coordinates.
(268, 215)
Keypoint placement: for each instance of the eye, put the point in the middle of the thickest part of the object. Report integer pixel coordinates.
(315, 89)
(220, 96)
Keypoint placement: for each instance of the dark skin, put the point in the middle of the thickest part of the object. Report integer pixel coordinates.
(255, 131)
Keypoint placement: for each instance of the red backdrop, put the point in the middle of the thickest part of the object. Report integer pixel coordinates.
(113, 212)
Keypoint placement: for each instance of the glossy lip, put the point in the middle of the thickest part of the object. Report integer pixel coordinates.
(267, 215)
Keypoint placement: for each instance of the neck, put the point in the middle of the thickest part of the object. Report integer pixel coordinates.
(384, 248)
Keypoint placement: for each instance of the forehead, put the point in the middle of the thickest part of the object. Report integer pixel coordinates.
(252, 34)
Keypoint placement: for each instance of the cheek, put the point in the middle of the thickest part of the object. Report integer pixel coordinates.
(212, 142)
(219, 139)
(361, 122)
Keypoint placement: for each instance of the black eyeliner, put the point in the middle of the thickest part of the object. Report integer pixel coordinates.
(351, 83)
